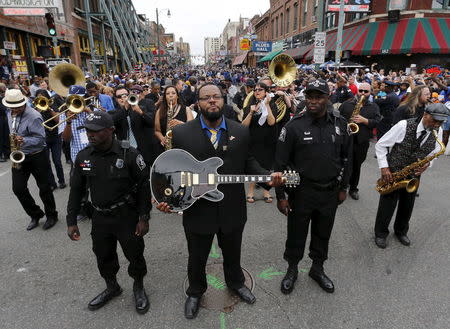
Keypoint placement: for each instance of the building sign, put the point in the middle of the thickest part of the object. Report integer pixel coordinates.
(20, 67)
(244, 44)
(55, 61)
(42, 4)
(350, 5)
(397, 4)
(169, 40)
(261, 46)
(319, 47)
(277, 45)
(23, 11)
(9, 45)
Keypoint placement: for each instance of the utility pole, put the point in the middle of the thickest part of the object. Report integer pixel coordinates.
(157, 35)
(91, 36)
(339, 34)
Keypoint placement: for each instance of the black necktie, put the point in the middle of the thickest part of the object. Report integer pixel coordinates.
(421, 137)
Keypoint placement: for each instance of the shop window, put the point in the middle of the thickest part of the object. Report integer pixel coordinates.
(295, 16)
(281, 25)
(18, 39)
(305, 12)
(440, 4)
(288, 15)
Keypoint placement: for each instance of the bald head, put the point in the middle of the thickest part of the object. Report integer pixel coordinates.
(366, 87)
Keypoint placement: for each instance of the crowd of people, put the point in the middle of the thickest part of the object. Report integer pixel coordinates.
(253, 125)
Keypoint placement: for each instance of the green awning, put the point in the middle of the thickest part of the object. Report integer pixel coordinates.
(270, 55)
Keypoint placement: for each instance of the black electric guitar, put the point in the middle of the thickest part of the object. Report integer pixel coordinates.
(179, 179)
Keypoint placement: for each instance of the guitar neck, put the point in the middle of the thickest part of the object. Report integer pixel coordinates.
(233, 179)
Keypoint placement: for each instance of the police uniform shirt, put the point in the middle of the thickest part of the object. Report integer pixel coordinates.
(109, 177)
(318, 149)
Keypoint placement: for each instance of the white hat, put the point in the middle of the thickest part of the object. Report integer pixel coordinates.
(14, 98)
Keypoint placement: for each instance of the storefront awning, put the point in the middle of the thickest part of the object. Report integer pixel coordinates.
(270, 55)
(238, 60)
(413, 35)
(297, 53)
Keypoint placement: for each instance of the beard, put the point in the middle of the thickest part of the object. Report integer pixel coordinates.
(212, 116)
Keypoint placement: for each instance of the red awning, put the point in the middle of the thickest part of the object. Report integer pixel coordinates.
(238, 60)
(297, 53)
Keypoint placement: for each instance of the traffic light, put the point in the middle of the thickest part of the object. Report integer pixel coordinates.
(50, 24)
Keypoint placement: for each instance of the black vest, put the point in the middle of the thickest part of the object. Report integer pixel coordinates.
(409, 150)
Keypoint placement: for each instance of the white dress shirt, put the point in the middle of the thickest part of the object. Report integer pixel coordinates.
(395, 136)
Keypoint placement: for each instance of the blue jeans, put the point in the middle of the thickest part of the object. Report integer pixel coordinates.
(54, 146)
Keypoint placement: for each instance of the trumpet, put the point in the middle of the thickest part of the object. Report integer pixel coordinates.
(42, 103)
(75, 104)
(133, 99)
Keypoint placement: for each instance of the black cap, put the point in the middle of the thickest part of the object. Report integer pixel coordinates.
(97, 121)
(319, 85)
(390, 83)
(250, 83)
(438, 111)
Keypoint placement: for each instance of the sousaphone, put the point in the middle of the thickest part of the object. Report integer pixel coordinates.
(62, 76)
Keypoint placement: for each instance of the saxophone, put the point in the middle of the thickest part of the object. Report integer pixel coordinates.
(400, 178)
(353, 127)
(16, 156)
(168, 145)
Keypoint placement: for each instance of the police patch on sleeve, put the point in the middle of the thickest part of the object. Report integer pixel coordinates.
(140, 162)
(282, 135)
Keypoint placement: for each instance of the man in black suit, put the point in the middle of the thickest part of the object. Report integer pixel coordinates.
(135, 123)
(368, 118)
(226, 218)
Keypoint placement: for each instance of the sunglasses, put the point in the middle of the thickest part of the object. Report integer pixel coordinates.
(122, 96)
(259, 89)
(364, 91)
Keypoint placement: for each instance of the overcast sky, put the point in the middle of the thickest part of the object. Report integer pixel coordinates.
(196, 19)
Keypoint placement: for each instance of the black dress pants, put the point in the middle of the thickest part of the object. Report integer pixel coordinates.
(310, 205)
(38, 166)
(4, 136)
(107, 230)
(359, 156)
(404, 202)
(199, 246)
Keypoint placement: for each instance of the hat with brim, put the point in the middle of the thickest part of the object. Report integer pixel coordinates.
(97, 121)
(438, 111)
(318, 85)
(14, 98)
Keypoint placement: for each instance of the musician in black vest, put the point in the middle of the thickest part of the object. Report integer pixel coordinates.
(401, 146)
(211, 135)
(368, 118)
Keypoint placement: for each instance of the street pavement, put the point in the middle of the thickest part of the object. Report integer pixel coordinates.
(46, 280)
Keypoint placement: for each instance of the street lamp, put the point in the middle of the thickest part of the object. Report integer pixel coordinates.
(157, 30)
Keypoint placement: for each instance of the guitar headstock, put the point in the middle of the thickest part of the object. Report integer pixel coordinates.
(291, 178)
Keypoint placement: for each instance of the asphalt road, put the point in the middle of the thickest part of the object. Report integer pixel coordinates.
(46, 280)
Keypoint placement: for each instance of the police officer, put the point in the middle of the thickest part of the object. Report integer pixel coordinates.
(387, 104)
(118, 181)
(316, 144)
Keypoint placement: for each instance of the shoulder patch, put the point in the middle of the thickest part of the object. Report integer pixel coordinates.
(140, 162)
(282, 136)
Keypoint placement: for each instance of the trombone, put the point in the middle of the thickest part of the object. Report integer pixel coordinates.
(42, 103)
(75, 104)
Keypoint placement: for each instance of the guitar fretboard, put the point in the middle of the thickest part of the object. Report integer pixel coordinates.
(233, 179)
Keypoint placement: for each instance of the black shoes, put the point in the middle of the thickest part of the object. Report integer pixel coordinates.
(245, 294)
(140, 297)
(62, 185)
(104, 297)
(321, 278)
(403, 238)
(50, 222)
(33, 224)
(354, 195)
(380, 242)
(191, 307)
(287, 284)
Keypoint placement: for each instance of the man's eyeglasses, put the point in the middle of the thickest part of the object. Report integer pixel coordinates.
(122, 96)
(259, 89)
(362, 91)
(207, 98)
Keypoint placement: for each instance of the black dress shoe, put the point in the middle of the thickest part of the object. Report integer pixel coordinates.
(141, 300)
(321, 278)
(245, 294)
(354, 195)
(191, 307)
(49, 223)
(403, 238)
(62, 185)
(33, 224)
(287, 284)
(380, 242)
(104, 297)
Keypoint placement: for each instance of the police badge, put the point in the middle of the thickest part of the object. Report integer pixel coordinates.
(140, 162)
(282, 135)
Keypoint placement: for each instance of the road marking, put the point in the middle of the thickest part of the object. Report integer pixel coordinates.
(5, 172)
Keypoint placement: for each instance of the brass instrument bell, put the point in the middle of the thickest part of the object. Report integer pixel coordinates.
(42, 103)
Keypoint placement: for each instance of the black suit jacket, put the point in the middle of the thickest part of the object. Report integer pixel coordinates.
(206, 217)
(369, 111)
(141, 125)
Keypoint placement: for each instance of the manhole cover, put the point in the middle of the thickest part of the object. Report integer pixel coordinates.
(218, 296)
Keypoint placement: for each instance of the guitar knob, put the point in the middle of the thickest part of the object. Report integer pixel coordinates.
(168, 191)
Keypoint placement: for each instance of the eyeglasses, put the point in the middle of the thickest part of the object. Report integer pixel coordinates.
(363, 91)
(137, 92)
(259, 89)
(207, 98)
(122, 95)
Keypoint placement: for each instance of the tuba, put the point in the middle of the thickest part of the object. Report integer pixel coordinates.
(401, 178)
(42, 103)
(282, 71)
(62, 76)
(16, 156)
(353, 127)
